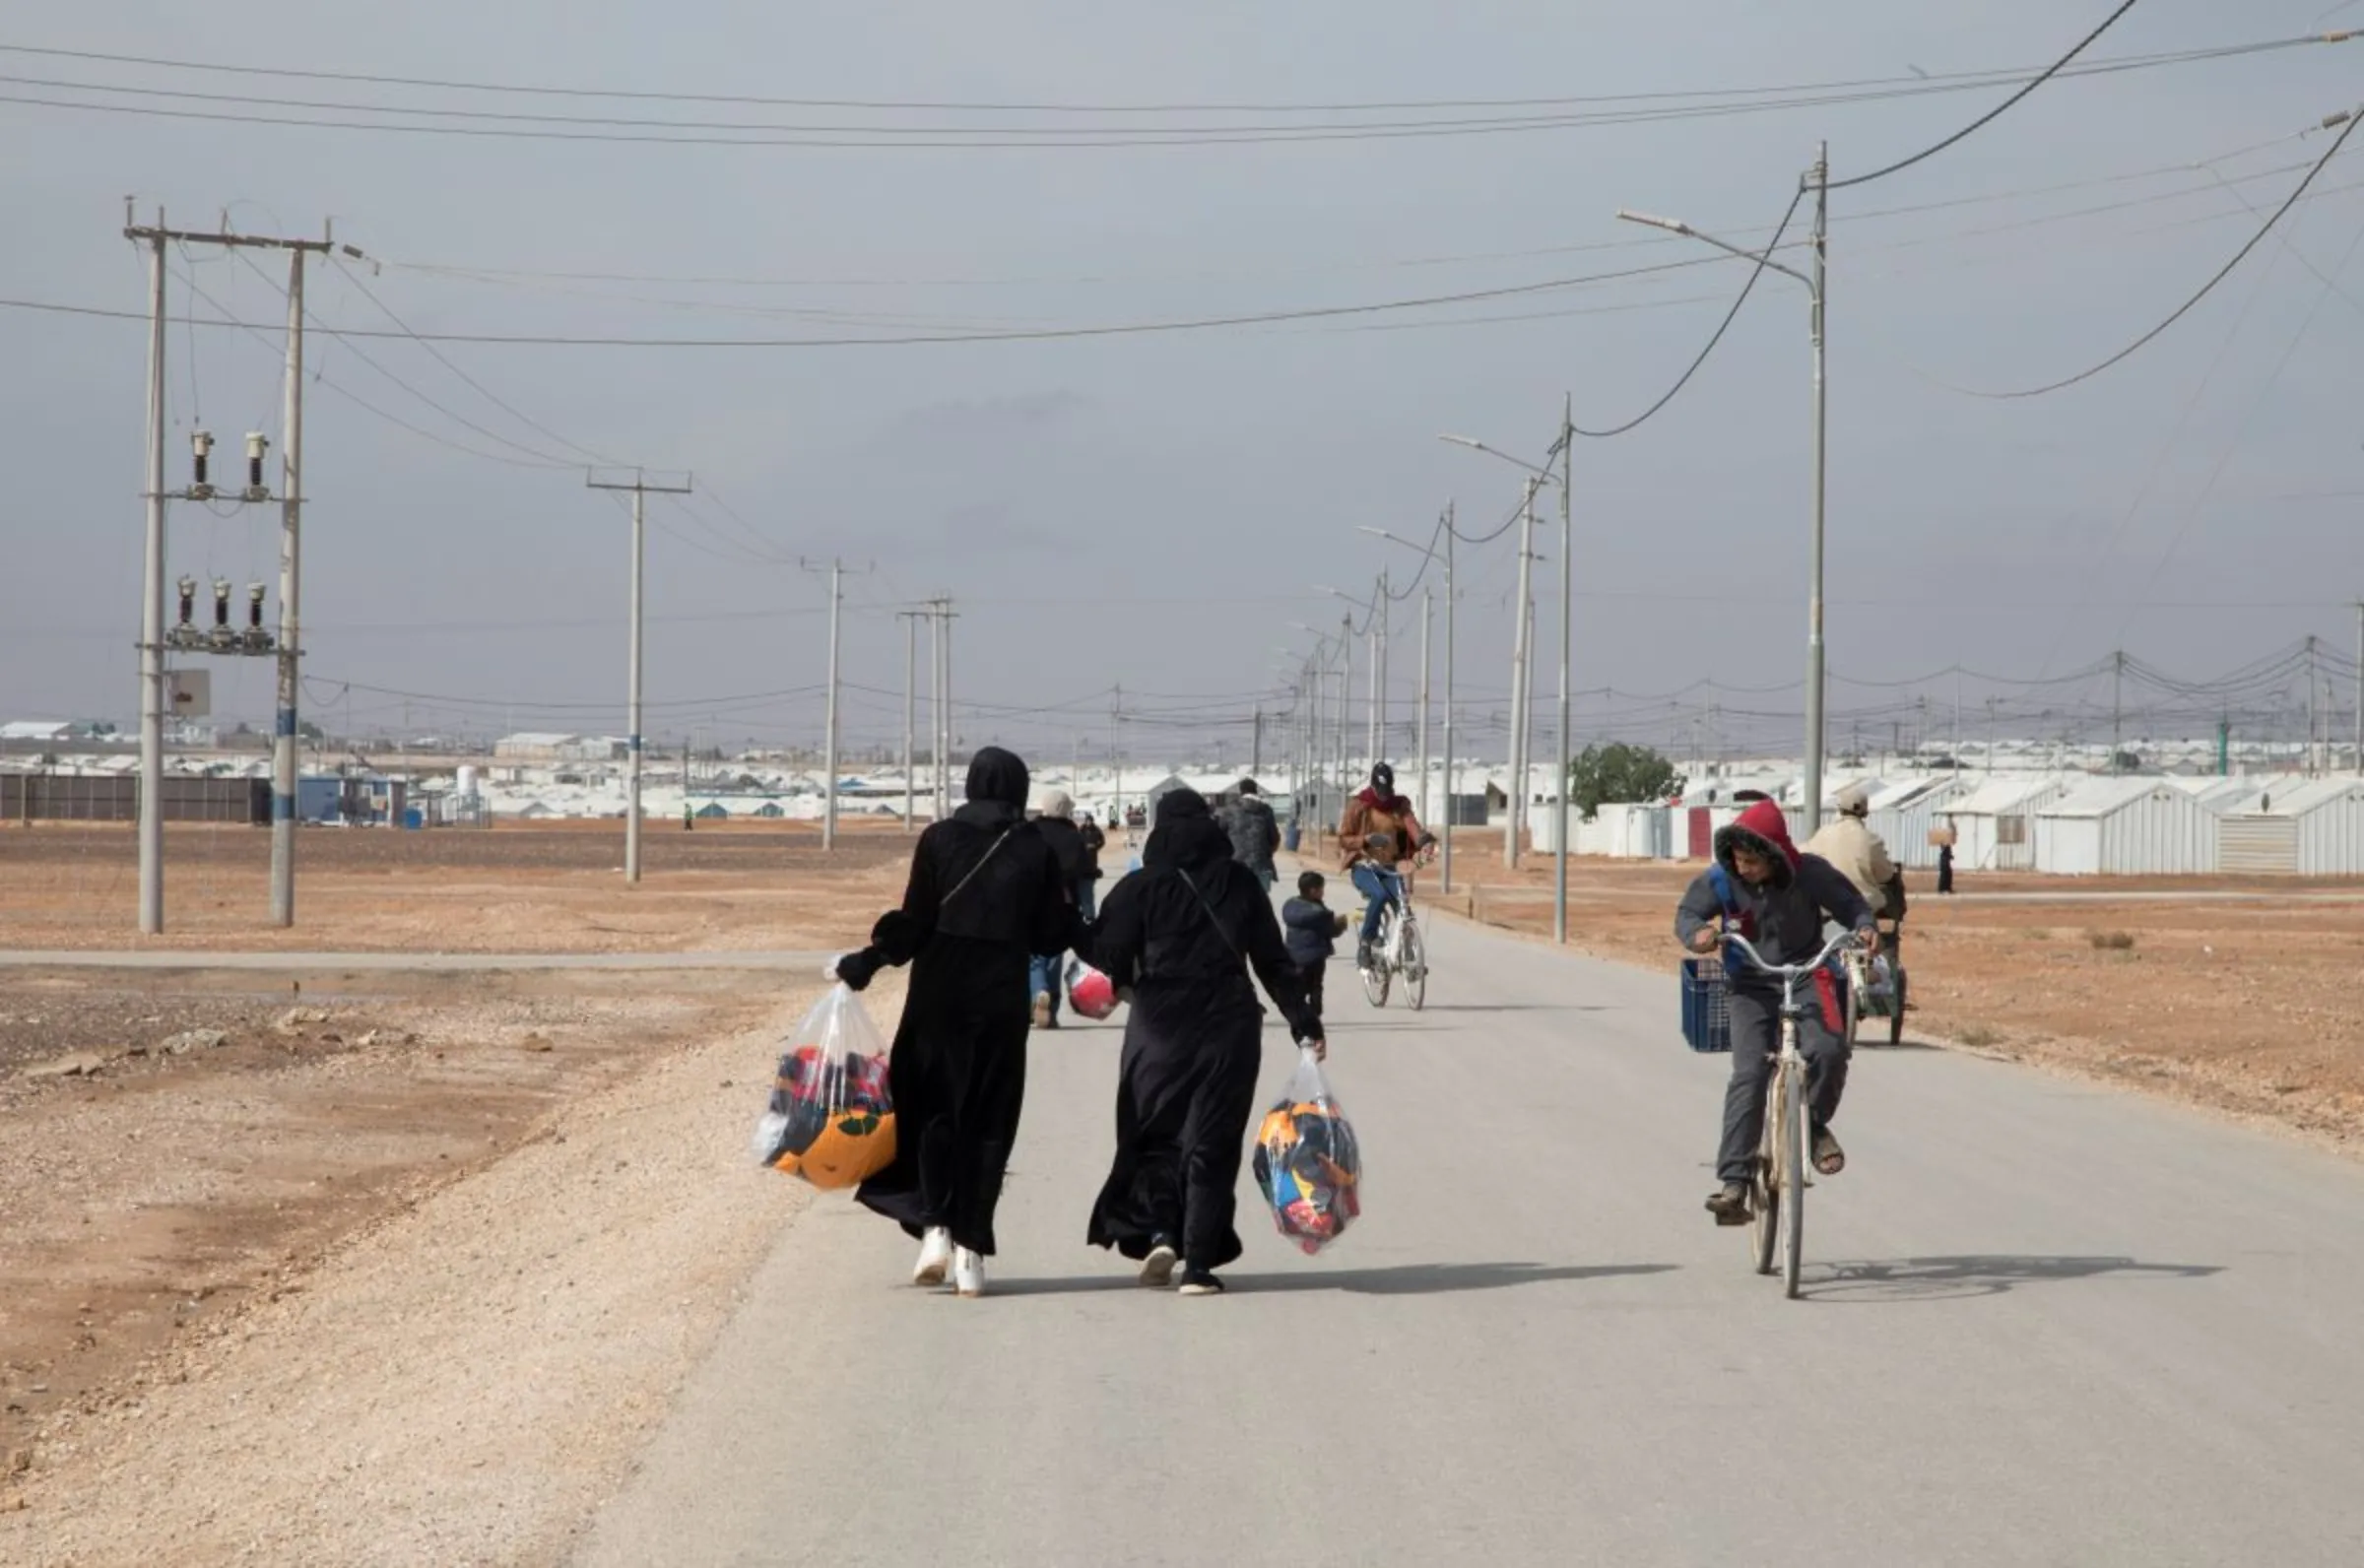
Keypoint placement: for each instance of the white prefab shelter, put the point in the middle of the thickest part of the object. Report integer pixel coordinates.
(1995, 823)
(1903, 813)
(2126, 827)
(2313, 829)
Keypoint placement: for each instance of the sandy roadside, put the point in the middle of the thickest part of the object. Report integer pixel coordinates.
(460, 1382)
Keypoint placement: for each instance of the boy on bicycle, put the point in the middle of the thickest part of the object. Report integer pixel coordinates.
(1375, 837)
(1762, 887)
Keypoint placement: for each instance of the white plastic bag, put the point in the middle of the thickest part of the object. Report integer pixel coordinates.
(1308, 1161)
(830, 1118)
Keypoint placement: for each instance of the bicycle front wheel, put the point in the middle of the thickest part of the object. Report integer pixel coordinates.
(1375, 978)
(1416, 966)
(1793, 1178)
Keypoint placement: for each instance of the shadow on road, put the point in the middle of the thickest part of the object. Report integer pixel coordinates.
(1950, 1278)
(1412, 1280)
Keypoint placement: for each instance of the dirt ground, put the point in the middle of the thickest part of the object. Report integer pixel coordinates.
(2242, 995)
(363, 1279)
(186, 1147)
(523, 888)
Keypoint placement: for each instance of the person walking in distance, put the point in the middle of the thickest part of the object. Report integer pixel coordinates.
(986, 894)
(1313, 928)
(1946, 869)
(1054, 822)
(1776, 896)
(1375, 837)
(1180, 937)
(1255, 832)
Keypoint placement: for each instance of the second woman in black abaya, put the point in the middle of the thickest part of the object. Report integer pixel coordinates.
(986, 893)
(1181, 934)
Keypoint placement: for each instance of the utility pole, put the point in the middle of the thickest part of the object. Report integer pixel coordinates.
(1813, 614)
(1345, 689)
(1427, 617)
(2360, 689)
(1450, 592)
(640, 489)
(1567, 618)
(256, 642)
(1379, 627)
(1521, 690)
(910, 620)
(151, 608)
(1116, 709)
(1256, 747)
(2117, 708)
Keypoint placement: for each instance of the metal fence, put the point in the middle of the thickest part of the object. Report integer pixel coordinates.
(109, 797)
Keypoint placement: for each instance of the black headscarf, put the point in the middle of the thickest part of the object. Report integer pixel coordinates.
(998, 785)
(1188, 838)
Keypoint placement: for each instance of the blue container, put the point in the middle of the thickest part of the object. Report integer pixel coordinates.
(1290, 839)
(1706, 1018)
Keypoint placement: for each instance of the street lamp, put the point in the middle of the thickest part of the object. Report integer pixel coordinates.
(1565, 479)
(1816, 287)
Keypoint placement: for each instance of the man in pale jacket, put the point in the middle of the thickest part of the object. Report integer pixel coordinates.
(1849, 844)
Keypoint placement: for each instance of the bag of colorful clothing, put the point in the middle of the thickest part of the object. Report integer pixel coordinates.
(831, 1118)
(1308, 1162)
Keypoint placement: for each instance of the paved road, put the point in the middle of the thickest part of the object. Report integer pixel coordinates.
(2047, 1324)
(405, 963)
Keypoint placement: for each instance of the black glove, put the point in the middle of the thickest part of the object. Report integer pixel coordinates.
(858, 969)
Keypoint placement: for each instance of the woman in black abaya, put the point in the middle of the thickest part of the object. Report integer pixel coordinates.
(986, 893)
(1180, 935)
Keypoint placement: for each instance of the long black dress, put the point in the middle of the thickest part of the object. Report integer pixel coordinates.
(985, 894)
(1193, 1041)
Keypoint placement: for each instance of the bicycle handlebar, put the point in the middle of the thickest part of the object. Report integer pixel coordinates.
(1787, 972)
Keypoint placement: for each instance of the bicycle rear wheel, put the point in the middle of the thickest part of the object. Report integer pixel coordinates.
(1375, 978)
(1793, 1178)
(1897, 1018)
(1415, 965)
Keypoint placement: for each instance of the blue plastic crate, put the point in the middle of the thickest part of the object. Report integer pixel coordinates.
(1706, 1015)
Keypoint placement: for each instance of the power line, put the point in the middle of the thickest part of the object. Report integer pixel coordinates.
(2348, 122)
(1043, 138)
(1916, 84)
(481, 389)
(1988, 119)
(1764, 259)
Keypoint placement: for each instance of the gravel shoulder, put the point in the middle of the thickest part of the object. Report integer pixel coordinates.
(458, 1382)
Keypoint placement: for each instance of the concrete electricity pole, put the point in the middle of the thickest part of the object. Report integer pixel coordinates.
(1522, 657)
(1568, 618)
(286, 648)
(640, 489)
(1427, 617)
(910, 620)
(1449, 597)
(829, 742)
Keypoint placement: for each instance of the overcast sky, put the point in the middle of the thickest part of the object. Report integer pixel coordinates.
(1156, 509)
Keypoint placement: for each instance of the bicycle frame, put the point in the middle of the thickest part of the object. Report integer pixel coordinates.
(1780, 1144)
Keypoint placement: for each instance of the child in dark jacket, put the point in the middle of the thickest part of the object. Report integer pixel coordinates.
(1312, 929)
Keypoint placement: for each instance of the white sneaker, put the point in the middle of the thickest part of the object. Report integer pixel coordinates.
(968, 1272)
(1158, 1268)
(935, 1257)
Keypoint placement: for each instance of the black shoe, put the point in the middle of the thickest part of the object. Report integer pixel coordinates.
(1730, 1205)
(1364, 956)
(1199, 1282)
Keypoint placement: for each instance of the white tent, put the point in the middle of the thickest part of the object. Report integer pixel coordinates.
(2310, 829)
(1996, 822)
(2126, 827)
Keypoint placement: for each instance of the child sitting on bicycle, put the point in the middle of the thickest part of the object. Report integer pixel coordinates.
(1763, 887)
(1376, 836)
